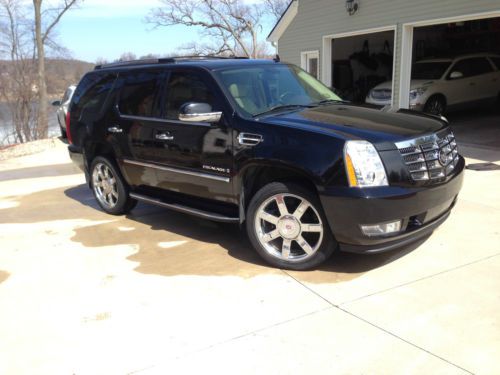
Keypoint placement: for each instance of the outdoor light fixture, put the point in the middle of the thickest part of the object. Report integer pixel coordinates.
(351, 6)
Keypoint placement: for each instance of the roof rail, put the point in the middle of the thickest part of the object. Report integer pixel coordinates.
(164, 60)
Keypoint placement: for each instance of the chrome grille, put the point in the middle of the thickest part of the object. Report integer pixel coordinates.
(430, 158)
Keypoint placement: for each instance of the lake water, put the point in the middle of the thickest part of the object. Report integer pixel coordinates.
(6, 124)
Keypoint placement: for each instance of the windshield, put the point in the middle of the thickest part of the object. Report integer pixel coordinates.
(429, 70)
(259, 89)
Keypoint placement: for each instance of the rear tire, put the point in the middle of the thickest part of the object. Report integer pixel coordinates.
(287, 227)
(435, 105)
(109, 188)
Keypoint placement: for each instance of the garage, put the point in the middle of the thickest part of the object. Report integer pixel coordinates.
(361, 62)
(444, 56)
(455, 71)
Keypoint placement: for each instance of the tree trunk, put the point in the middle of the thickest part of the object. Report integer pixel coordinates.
(42, 129)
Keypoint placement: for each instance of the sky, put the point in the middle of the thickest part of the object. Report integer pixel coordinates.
(104, 29)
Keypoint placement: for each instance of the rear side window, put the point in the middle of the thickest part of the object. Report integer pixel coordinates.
(186, 87)
(138, 94)
(92, 92)
(481, 66)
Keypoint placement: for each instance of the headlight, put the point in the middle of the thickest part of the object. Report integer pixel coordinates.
(363, 165)
(415, 93)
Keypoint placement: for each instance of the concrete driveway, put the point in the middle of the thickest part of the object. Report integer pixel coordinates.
(159, 292)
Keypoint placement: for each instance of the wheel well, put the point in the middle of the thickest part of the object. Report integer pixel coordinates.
(99, 149)
(441, 96)
(257, 177)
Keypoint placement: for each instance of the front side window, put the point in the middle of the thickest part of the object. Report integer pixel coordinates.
(429, 70)
(185, 87)
(138, 94)
(259, 89)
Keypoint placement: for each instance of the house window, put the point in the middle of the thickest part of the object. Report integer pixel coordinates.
(310, 63)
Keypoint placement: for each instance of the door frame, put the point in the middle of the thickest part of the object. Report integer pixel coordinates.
(407, 49)
(326, 72)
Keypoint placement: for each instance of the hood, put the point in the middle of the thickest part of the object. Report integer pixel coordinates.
(348, 121)
(387, 85)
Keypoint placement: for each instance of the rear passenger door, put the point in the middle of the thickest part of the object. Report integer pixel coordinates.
(196, 157)
(463, 89)
(482, 71)
(138, 107)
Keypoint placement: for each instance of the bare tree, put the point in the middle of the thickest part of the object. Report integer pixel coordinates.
(46, 20)
(127, 56)
(276, 7)
(232, 26)
(17, 77)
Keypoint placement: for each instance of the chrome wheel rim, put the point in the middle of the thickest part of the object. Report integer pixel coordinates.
(288, 227)
(104, 183)
(436, 107)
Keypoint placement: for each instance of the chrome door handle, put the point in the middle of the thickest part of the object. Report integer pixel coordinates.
(164, 136)
(115, 129)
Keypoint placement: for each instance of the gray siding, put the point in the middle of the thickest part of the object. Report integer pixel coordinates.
(317, 18)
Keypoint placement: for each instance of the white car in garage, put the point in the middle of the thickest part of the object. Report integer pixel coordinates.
(441, 84)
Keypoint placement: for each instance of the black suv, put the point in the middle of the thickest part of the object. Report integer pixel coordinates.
(263, 143)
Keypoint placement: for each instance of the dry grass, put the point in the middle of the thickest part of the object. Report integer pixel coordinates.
(13, 151)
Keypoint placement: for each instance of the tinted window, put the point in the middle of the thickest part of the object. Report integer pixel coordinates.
(91, 92)
(137, 96)
(186, 87)
(429, 70)
(480, 66)
(472, 67)
(496, 61)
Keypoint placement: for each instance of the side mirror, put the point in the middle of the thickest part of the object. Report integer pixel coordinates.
(456, 75)
(198, 112)
(56, 103)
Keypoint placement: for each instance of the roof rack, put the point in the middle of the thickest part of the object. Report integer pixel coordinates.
(166, 60)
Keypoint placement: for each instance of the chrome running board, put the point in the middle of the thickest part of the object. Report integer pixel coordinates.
(188, 210)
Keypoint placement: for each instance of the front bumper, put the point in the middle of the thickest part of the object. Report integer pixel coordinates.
(421, 209)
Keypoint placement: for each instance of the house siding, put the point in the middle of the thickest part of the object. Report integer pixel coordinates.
(318, 18)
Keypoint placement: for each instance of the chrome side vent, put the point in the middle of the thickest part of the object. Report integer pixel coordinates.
(249, 139)
(430, 158)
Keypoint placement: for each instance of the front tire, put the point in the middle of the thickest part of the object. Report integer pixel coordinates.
(287, 227)
(110, 190)
(436, 105)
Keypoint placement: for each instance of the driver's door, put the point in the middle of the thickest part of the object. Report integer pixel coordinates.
(194, 158)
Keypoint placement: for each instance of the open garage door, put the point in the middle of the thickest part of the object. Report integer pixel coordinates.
(361, 62)
(456, 72)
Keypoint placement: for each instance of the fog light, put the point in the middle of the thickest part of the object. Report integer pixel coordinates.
(381, 229)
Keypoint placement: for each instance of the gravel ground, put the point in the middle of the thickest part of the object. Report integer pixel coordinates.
(28, 148)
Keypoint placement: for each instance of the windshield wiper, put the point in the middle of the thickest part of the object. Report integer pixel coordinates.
(283, 107)
(327, 101)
